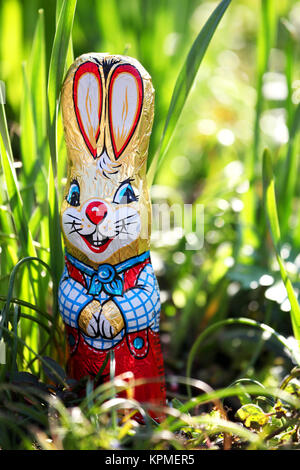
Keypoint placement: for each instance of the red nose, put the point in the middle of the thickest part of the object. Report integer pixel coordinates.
(96, 211)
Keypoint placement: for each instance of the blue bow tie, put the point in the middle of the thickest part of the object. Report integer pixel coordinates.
(106, 277)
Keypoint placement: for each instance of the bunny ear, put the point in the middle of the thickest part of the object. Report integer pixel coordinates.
(87, 95)
(125, 98)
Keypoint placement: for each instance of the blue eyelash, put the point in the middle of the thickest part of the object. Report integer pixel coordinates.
(125, 194)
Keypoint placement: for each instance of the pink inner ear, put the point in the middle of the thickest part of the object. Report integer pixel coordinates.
(87, 96)
(125, 98)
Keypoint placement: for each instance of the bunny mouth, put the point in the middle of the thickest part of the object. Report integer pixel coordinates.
(96, 244)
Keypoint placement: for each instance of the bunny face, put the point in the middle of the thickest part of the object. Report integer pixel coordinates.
(107, 106)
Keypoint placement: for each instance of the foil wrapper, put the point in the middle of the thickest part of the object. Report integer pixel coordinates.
(108, 294)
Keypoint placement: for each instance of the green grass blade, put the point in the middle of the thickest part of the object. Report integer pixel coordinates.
(37, 84)
(271, 211)
(34, 221)
(29, 279)
(28, 131)
(56, 253)
(184, 83)
(28, 146)
(59, 56)
(8, 242)
(265, 41)
(70, 53)
(34, 353)
(37, 81)
(172, 423)
(16, 203)
(270, 200)
(12, 186)
(105, 10)
(28, 412)
(4, 129)
(30, 306)
(288, 185)
(12, 278)
(11, 48)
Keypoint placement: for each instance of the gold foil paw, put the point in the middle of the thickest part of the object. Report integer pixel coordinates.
(113, 316)
(89, 319)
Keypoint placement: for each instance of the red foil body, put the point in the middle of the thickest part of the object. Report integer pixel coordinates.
(84, 361)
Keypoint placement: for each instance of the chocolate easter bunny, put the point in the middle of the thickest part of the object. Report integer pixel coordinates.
(108, 293)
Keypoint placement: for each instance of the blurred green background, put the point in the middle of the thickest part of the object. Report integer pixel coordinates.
(245, 97)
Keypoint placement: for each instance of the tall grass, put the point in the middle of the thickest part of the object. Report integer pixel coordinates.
(205, 85)
(33, 208)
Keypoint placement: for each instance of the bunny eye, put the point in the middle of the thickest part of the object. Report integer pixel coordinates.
(125, 194)
(73, 197)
